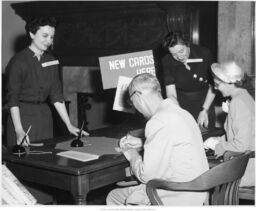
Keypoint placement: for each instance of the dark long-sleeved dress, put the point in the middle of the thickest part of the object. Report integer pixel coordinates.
(191, 85)
(30, 83)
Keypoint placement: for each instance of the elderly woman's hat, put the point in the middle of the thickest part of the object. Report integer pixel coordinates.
(228, 72)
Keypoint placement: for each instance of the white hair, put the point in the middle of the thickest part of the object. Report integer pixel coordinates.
(145, 82)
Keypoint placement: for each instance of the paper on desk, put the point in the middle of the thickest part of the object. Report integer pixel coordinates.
(93, 145)
(81, 156)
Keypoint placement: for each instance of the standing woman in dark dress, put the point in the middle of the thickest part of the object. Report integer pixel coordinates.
(33, 77)
(187, 77)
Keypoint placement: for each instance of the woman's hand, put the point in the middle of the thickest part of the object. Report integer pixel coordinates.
(219, 150)
(75, 131)
(203, 119)
(20, 135)
(211, 142)
(61, 108)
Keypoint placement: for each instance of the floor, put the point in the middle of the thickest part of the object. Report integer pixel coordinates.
(246, 202)
(94, 197)
(98, 197)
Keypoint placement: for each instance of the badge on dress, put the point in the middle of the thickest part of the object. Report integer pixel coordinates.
(196, 60)
(50, 63)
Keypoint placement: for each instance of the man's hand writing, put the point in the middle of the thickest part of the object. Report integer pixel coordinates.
(130, 141)
(130, 154)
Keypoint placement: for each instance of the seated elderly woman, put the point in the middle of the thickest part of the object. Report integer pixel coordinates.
(239, 125)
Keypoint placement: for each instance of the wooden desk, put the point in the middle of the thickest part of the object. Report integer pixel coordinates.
(71, 175)
(66, 174)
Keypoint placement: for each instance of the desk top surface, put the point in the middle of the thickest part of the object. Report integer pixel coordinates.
(109, 136)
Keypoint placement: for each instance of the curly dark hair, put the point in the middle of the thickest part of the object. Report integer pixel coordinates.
(174, 38)
(36, 22)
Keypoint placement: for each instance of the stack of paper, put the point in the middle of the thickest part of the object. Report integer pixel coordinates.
(81, 156)
(13, 192)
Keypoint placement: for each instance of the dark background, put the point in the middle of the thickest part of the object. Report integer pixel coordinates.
(88, 30)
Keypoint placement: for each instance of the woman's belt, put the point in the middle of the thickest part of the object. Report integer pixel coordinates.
(33, 102)
(193, 95)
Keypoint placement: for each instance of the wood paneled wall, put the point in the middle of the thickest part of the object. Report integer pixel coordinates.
(88, 30)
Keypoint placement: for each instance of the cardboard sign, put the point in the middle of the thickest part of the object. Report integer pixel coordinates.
(121, 97)
(128, 65)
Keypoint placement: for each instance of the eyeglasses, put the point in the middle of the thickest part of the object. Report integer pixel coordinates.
(129, 101)
(134, 92)
(217, 84)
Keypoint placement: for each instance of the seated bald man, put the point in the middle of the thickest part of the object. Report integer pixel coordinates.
(173, 149)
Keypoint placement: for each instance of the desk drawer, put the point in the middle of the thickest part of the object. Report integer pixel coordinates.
(107, 176)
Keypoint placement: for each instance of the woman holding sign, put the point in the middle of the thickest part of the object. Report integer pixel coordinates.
(33, 77)
(187, 77)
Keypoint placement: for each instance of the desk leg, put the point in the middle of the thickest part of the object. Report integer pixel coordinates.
(79, 189)
(80, 199)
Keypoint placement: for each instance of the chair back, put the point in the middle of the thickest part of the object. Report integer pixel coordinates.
(221, 181)
(244, 192)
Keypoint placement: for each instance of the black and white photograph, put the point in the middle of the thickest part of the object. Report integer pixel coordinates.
(128, 105)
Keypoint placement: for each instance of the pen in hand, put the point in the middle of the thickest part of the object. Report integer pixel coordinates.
(122, 142)
(24, 138)
(77, 142)
(129, 141)
(127, 134)
(81, 130)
